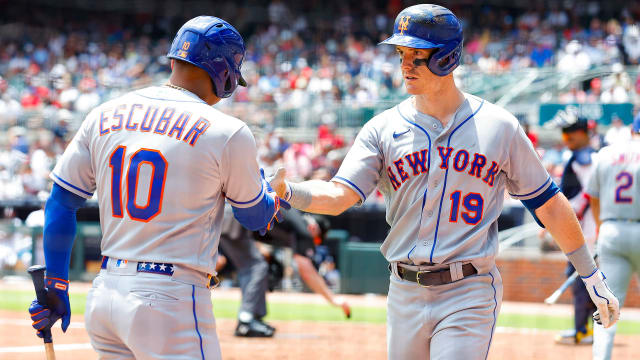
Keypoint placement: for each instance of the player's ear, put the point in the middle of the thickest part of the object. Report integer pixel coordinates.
(172, 60)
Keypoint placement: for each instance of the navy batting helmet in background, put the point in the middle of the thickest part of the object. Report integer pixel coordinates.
(215, 46)
(428, 26)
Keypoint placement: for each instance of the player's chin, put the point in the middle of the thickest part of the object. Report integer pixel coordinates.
(412, 89)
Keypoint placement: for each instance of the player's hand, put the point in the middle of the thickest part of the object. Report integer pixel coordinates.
(278, 183)
(607, 304)
(44, 317)
(278, 202)
(342, 303)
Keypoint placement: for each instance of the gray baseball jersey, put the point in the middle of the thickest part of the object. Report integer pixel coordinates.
(614, 181)
(162, 161)
(443, 187)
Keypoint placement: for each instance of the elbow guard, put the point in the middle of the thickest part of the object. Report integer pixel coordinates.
(534, 203)
(257, 216)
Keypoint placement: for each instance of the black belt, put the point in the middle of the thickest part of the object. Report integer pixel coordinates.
(433, 278)
(158, 268)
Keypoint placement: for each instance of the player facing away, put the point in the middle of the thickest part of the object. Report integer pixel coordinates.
(614, 196)
(443, 159)
(161, 161)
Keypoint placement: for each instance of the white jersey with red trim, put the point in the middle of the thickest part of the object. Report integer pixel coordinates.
(443, 187)
(161, 162)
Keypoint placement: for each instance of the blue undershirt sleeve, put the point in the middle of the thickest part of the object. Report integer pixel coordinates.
(60, 230)
(534, 203)
(257, 216)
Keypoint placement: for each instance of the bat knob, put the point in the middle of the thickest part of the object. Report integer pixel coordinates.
(36, 268)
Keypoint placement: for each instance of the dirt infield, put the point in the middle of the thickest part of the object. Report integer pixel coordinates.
(300, 340)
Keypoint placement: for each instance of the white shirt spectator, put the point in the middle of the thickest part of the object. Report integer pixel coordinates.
(617, 133)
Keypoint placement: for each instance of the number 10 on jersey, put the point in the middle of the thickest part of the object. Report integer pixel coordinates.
(158, 176)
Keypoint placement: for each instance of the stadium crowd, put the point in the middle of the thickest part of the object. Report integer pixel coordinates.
(56, 64)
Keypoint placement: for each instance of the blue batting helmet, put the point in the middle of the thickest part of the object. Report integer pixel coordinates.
(215, 46)
(428, 26)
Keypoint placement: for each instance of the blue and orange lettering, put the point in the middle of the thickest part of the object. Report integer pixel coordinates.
(147, 122)
(479, 161)
(491, 173)
(179, 125)
(196, 130)
(163, 123)
(464, 155)
(103, 118)
(130, 126)
(399, 166)
(118, 116)
(392, 177)
(444, 156)
(418, 164)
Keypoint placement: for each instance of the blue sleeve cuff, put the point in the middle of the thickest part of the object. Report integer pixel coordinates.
(257, 216)
(534, 203)
(60, 230)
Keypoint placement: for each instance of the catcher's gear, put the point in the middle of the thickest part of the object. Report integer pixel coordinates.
(608, 307)
(57, 307)
(215, 46)
(428, 26)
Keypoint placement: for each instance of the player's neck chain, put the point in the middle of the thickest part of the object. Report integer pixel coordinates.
(176, 87)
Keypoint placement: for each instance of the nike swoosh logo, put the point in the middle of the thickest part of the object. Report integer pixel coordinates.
(396, 135)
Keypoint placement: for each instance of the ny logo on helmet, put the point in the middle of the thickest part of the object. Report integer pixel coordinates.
(403, 24)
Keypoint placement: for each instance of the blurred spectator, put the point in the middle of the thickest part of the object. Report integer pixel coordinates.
(618, 132)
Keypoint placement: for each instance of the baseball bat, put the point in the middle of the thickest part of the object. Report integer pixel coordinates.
(556, 294)
(37, 276)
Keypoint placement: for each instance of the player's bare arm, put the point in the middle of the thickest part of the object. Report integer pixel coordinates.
(315, 196)
(561, 222)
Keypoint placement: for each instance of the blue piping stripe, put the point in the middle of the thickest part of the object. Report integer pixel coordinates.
(598, 295)
(195, 317)
(247, 202)
(444, 186)
(495, 301)
(73, 186)
(424, 196)
(352, 184)
(423, 130)
(410, 251)
(534, 191)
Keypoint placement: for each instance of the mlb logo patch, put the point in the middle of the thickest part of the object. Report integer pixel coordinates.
(121, 264)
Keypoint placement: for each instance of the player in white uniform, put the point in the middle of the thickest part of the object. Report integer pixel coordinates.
(443, 159)
(614, 196)
(161, 161)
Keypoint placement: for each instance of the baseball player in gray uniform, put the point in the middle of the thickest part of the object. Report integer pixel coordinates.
(614, 196)
(443, 160)
(161, 161)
